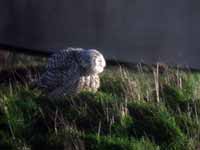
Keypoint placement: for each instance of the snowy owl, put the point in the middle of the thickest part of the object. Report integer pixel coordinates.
(72, 70)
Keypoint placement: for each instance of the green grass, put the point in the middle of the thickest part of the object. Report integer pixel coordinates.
(133, 110)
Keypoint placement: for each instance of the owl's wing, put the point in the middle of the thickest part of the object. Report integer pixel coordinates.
(70, 78)
(58, 64)
(67, 89)
(63, 58)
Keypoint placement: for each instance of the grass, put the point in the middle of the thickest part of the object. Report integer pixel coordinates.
(140, 109)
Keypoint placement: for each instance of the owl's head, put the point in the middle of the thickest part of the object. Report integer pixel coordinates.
(92, 61)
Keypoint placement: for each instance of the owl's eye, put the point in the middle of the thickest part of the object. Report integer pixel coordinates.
(98, 60)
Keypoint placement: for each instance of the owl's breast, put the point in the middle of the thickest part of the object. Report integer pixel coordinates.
(88, 83)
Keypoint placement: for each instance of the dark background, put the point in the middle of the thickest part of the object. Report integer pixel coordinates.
(126, 30)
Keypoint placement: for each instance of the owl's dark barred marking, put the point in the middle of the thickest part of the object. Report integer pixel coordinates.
(72, 70)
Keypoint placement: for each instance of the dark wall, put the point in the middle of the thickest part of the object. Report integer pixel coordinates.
(128, 30)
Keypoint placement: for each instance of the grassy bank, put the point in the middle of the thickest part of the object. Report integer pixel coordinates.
(143, 109)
